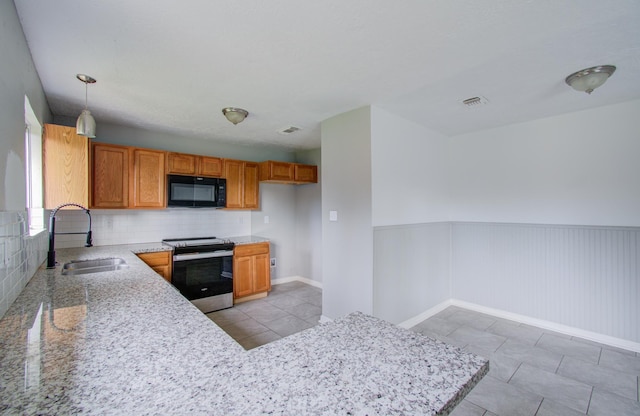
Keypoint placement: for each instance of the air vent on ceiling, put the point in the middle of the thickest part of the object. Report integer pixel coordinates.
(288, 130)
(474, 102)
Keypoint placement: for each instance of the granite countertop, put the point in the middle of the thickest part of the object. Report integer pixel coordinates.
(127, 342)
(248, 239)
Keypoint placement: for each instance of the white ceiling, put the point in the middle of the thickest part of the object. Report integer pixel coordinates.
(172, 66)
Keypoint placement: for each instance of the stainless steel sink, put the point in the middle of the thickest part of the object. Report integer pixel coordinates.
(94, 266)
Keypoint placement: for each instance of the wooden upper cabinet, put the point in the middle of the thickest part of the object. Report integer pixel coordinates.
(181, 164)
(305, 173)
(210, 166)
(110, 176)
(251, 185)
(285, 172)
(185, 164)
(148, 178)
(242, 184)
(65, 159)
(276, 171)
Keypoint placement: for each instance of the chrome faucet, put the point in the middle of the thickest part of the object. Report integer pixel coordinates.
(51, 255)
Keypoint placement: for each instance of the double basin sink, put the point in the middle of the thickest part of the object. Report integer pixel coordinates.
(94, 266)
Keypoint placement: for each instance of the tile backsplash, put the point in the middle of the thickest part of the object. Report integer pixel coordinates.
(20, 256)
(146, 226)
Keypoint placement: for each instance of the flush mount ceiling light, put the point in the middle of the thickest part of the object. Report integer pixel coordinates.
(86, 124)
(235, 115)
(589, 79)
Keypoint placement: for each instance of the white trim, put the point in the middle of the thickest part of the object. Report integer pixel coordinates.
(411, 322)
(289, 279)
(324, 319)
(552, 326)
(540, 323)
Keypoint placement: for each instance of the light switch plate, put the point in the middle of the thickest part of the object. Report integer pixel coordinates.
(333, 215)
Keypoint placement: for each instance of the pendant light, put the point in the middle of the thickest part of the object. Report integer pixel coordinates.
(86, 124)
(235, 115)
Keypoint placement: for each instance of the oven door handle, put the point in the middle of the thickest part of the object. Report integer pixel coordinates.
(206, 255)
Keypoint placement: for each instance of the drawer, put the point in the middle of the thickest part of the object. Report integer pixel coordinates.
(251, 249)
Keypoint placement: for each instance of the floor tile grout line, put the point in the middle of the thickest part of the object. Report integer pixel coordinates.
(590, 397)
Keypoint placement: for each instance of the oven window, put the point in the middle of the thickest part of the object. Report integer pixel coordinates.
(203, 277)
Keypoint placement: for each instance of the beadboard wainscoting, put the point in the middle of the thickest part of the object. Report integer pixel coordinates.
(581, 280)
(20, 256)
(411, 269)
(584, 277)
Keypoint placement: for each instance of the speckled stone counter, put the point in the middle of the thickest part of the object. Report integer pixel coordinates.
(248, 239)
(126, 342)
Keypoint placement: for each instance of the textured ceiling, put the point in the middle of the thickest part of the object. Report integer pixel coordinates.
(172, 66)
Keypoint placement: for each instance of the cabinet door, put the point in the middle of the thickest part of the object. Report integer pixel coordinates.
(261, 273)
(210, 166)
(251, 197)
(110, 177)
(148, 179)
(280, 171)
(65, 160)
(181, 164)
(306, 173)
(242, 276)
(234, 173)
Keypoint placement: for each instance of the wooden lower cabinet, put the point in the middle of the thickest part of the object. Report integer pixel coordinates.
(159, 261)
(251, 271)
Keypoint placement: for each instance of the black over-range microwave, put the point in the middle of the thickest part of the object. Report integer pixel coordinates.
(196, 192)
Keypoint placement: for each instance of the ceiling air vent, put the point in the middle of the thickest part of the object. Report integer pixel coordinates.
(474, 102)
(288, 130)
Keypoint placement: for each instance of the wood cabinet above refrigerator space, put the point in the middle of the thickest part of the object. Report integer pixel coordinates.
(285, 172)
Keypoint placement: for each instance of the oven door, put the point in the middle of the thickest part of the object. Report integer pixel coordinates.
(201, 275)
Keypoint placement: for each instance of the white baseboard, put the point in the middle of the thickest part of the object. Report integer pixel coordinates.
(551, 326)
(411, 322)
(288, 279)
(324, 318)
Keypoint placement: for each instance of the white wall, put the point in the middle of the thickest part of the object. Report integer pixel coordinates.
(132, 136)
(309, 221)
(347, 244)
(128, 226)
(20, 254)
(278, 202)
(409, 171)
(18, 78)
(577, 168)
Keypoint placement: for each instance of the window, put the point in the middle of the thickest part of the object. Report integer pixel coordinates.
(33, 167)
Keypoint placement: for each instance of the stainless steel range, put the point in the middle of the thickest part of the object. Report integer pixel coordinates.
(203, 271)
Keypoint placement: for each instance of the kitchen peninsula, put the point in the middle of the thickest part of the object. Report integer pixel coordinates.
(126, 342)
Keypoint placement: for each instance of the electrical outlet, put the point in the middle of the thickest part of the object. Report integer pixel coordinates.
(273, 262)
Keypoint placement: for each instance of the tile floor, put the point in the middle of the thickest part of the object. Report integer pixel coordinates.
(538, 372)
(289, 308)
(533, 371)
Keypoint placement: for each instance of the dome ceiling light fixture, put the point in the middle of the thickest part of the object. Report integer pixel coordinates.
(86, 124)
(589, 79)
(235, 115)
